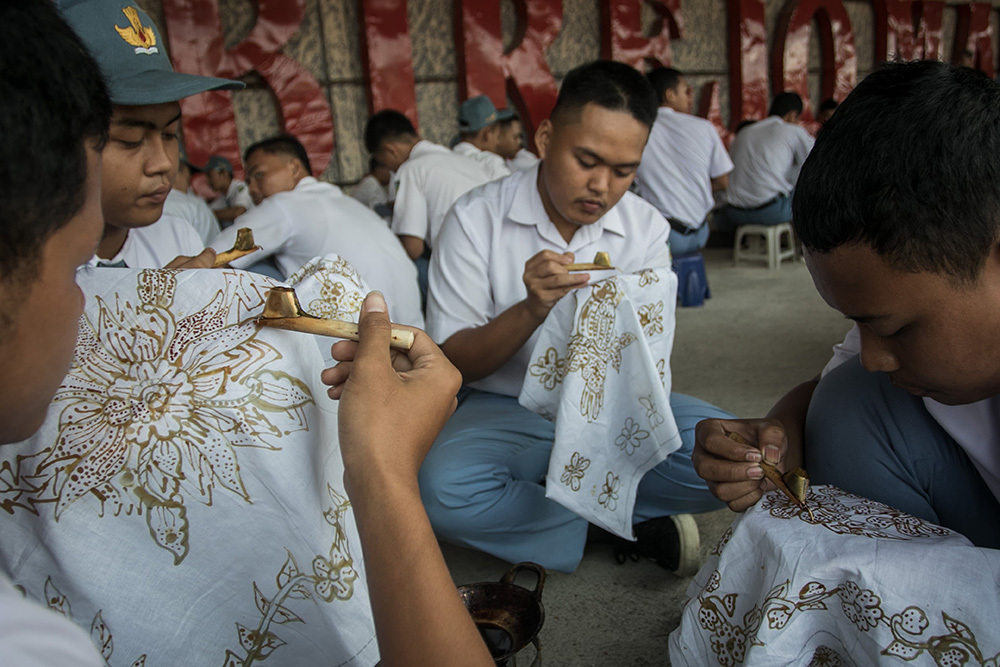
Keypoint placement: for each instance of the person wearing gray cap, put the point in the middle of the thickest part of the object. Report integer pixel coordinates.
(141, 157)
(479, 130)
(234, 197)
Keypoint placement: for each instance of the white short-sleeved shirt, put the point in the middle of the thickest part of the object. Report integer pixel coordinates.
(477, 267)
(317, 218)
(371, 193)
(524, 159)
(495, 165)
(33, 636)
(428, 184)
(974, 426)
(193, 209)
(684, 153)
(239, 195)
(156, 245)
(767, 157)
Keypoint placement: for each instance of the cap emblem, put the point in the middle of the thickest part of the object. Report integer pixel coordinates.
(141, 37)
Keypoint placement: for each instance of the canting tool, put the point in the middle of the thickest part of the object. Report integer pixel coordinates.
(244, 246)
(282, 310)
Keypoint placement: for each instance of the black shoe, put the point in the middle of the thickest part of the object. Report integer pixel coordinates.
(671, 541)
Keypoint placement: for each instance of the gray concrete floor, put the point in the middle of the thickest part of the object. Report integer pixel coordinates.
(761, 333)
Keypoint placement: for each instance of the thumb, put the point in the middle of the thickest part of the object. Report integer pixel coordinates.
(373, 331)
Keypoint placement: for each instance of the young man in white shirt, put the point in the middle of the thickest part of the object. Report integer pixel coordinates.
(299, 218)
(901, 237)
(498, 270)
(234, 197)
(183, 204)
(429, 179)
(479, 130)
(140, 160)
(767, 156)
(683, 164)
(377, 190)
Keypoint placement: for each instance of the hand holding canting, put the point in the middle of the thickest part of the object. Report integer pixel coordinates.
(393, 404)
(731, 468)
(204, 260)
(547, 280)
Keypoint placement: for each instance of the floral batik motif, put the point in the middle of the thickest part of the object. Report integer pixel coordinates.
(856, 583)
(599, 370)
(189, 455)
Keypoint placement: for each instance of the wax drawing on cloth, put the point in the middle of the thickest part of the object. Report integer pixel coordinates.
(330, 288)
(332, 578)
(156, 406)
(834, 593)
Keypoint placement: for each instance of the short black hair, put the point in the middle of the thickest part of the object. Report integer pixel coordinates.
(828, 104)
(908, 166)
(664, 79)
(784, 103)
(387, 125)
(53, 100)
(609, 84)
(507, 122)
(283, 144)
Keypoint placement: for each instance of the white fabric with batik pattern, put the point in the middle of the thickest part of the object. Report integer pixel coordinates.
(855, 582)
(183, 501)
(601, 370)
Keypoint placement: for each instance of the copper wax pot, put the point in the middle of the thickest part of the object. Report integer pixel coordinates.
(508, 616)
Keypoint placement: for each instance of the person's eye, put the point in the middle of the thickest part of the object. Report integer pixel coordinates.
(170, 136)
(127, 142)
(623, 173)
(586, 164)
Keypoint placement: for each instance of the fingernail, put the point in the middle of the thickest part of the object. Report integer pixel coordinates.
(772, 454)
(753, 456)
(375, 303)
(755, 473)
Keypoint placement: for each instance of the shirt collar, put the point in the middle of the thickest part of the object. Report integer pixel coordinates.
(528, 209)
(423, 146)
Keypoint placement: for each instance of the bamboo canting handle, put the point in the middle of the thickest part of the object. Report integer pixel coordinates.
(282, 310)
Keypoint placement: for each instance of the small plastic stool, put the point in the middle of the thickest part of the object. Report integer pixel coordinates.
(768, 248)
(692, 283)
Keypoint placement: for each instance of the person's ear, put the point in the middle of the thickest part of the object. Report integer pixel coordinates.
(543, 135)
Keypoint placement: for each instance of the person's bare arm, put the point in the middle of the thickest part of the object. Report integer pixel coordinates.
(230, 213)
(732, 469)
(413, 246)
(203, 260)
(392, 406)
(480, 351)
(720, 183)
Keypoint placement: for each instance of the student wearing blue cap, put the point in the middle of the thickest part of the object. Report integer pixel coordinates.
(141, 158)
(479, 125)
(234, 196)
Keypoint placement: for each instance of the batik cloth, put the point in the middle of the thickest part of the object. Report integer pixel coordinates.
(183, 501)
(601, 371)
(857, 583)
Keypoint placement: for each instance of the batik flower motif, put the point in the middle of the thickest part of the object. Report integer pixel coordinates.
(609, 492)
(631, 437)
(652, 413)
(861, 606)
(651, 318)
(647, 277)
(661, 368)
(573, 473)
(550, 369)
(340, 288)
(157, 403)
(728, 643)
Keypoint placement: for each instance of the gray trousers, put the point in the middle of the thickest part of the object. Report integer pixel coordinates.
(870, 438)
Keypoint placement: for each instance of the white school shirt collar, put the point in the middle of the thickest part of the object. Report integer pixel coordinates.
(527, 209)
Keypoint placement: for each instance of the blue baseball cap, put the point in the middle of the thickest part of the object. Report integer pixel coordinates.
(478, 112)
(218, 163)
(131, 53)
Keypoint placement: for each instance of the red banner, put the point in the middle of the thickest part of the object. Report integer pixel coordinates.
(908, 30)
(195, 35)
(387, 55)
(622, 36)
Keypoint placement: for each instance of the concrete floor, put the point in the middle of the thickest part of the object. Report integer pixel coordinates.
(761, 333)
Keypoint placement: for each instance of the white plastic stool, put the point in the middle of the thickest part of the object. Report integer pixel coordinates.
(768, 248)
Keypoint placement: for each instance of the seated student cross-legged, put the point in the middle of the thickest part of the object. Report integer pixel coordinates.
(498, 270)
(901, 237)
